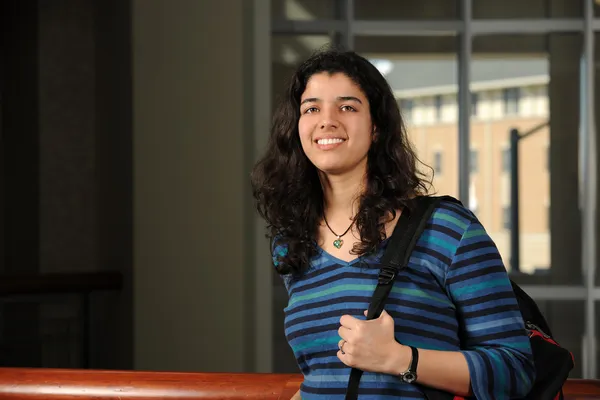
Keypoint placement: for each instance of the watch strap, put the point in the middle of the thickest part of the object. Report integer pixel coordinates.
(411, 373)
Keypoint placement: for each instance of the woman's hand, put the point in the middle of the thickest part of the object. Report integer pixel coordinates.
(296, 396)
(371, 345)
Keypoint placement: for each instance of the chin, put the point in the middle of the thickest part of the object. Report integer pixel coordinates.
(331, 169)
(338, 166)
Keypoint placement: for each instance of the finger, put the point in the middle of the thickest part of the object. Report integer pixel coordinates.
(385, 316)
(341, 356)
(344, 333)
(345, 348)
(341, 344)
(349, 321)
(346, 358)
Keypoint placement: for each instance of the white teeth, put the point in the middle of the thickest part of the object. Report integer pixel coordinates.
(329, 141)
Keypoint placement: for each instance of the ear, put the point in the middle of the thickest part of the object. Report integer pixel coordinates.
(375, 133)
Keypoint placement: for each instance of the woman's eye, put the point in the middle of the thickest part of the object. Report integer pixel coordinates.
(310, 110)
(348, 108)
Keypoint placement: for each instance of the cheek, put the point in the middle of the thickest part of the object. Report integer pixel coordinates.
(304, 130)
(364, 137)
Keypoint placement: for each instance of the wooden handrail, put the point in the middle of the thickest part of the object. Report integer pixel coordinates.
(582, 389)
(62, 384)
(60, 283)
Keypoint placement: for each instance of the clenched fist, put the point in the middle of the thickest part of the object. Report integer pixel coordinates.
(371, 345)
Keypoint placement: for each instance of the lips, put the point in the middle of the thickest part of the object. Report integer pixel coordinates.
(329, 143)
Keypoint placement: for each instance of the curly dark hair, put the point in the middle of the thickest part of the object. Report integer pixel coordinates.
(286, 186)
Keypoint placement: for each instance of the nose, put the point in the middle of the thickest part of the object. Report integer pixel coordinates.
(328, 124)
(329, 121)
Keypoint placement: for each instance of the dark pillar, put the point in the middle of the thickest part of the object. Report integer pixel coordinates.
(113, 348)
(19, 335)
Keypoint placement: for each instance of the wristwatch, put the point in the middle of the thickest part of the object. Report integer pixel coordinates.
(410, 375)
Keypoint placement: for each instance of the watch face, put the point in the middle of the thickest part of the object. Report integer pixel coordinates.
(409, 377)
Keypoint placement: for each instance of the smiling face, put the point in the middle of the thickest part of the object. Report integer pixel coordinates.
(335, 125)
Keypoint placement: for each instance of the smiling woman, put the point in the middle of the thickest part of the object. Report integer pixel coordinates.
(333, 97)
(337, 174)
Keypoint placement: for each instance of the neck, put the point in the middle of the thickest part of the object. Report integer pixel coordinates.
(340, 193)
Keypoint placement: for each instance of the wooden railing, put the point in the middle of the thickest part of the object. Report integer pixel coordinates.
(57, 384)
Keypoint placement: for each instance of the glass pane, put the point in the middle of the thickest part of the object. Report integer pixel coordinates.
(511, 93)
(535, 9)
(519, 87)
(287, 51)
(406, 9)
(303, 10)
(425, 87)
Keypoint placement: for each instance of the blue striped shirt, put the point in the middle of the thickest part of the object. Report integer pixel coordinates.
(455, 295)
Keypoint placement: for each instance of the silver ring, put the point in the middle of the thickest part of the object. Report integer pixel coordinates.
(342, 346)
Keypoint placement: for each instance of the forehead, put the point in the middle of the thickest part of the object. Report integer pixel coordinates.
(323, 84)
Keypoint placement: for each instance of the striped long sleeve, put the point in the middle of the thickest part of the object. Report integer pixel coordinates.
(454, 295)
(494, 344)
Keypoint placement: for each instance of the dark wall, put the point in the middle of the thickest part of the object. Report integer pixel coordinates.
(66, 174)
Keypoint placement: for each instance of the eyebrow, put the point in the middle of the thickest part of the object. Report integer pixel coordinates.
(339, 98)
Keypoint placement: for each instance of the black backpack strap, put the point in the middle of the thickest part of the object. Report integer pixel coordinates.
(410, 225)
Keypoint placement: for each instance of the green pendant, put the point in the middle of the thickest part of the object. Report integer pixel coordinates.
(338, 243)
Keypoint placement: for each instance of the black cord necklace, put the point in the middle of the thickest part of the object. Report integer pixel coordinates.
(338, 243)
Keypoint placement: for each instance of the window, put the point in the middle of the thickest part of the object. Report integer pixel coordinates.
(406, 108)
(506, 218)
(438, 107)
(511, 100)
(506, 160)
(474, 102)
(474, 157)
(437, 162)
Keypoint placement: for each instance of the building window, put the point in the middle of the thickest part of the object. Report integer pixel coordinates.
(406, 109)
(438, 107)
(506, 160)
(473, 161)
(437, 162)
(511, 101)
(474, 102)
(506, 218)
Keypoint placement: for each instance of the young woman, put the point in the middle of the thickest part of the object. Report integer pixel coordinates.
(336, 176)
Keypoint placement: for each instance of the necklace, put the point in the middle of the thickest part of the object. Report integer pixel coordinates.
(338, 243)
